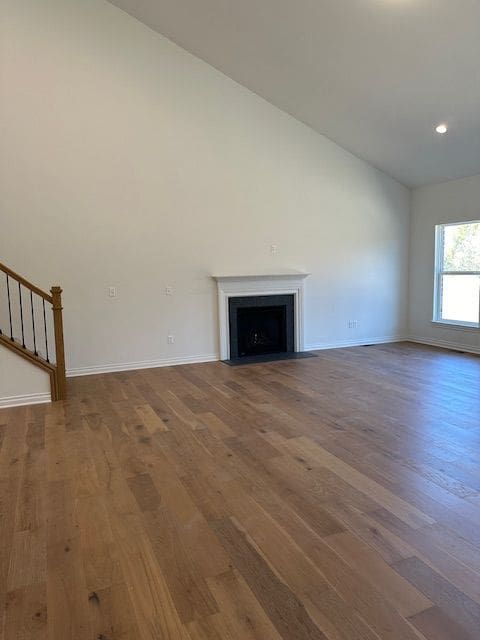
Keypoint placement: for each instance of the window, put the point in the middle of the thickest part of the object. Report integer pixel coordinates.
(457, 274)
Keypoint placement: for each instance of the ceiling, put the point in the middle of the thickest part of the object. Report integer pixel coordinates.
(375, 76)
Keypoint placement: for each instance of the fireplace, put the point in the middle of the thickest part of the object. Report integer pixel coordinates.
(261, 325)
(260, 315)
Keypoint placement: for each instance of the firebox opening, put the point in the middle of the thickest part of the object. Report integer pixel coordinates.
(261, 330)
(261, 325)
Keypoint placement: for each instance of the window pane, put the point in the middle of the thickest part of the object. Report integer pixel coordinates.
(461, 247)
(460, 298)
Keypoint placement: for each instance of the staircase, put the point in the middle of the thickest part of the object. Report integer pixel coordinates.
(31, 326)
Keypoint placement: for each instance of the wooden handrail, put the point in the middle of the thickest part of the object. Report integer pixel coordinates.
(26, 283)
(26, 349)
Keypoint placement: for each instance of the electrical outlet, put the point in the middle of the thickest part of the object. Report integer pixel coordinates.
(353, 324)
(169, 290)
(171, 339)
(112, 292)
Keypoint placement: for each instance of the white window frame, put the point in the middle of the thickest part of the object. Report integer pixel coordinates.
(439, 273)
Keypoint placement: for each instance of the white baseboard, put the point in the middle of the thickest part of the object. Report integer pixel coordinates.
(169, 362)
(143, 364)
(20, 401)
(339, 344)
(445, 344)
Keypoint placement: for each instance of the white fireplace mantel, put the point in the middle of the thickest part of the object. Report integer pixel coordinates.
(260, 284)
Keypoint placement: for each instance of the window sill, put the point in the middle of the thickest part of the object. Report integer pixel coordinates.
(456, 326)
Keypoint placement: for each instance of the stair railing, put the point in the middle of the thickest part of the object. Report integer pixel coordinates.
(31, 329)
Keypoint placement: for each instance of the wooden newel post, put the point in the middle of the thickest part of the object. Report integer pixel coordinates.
(59, 346)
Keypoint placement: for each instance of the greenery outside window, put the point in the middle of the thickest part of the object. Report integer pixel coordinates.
(457, 274)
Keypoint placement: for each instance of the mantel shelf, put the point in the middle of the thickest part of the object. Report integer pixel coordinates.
(286, 273)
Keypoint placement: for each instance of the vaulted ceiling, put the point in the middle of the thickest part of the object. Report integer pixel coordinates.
(375, 76)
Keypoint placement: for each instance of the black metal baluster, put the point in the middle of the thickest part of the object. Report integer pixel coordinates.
(9, 308)
(45, 327)
(33, 325)
(21, 314)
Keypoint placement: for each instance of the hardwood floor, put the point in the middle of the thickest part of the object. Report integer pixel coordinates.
(332, 498)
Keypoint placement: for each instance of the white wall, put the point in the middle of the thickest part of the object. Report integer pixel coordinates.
(126, 161)
(454, 201)
(20, 382)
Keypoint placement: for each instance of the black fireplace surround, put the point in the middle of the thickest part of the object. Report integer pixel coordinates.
(261, 325)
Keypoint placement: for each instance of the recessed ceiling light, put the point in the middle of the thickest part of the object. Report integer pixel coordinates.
(441, 128)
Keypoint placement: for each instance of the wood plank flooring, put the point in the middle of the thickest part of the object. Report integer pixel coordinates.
(333, 498)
